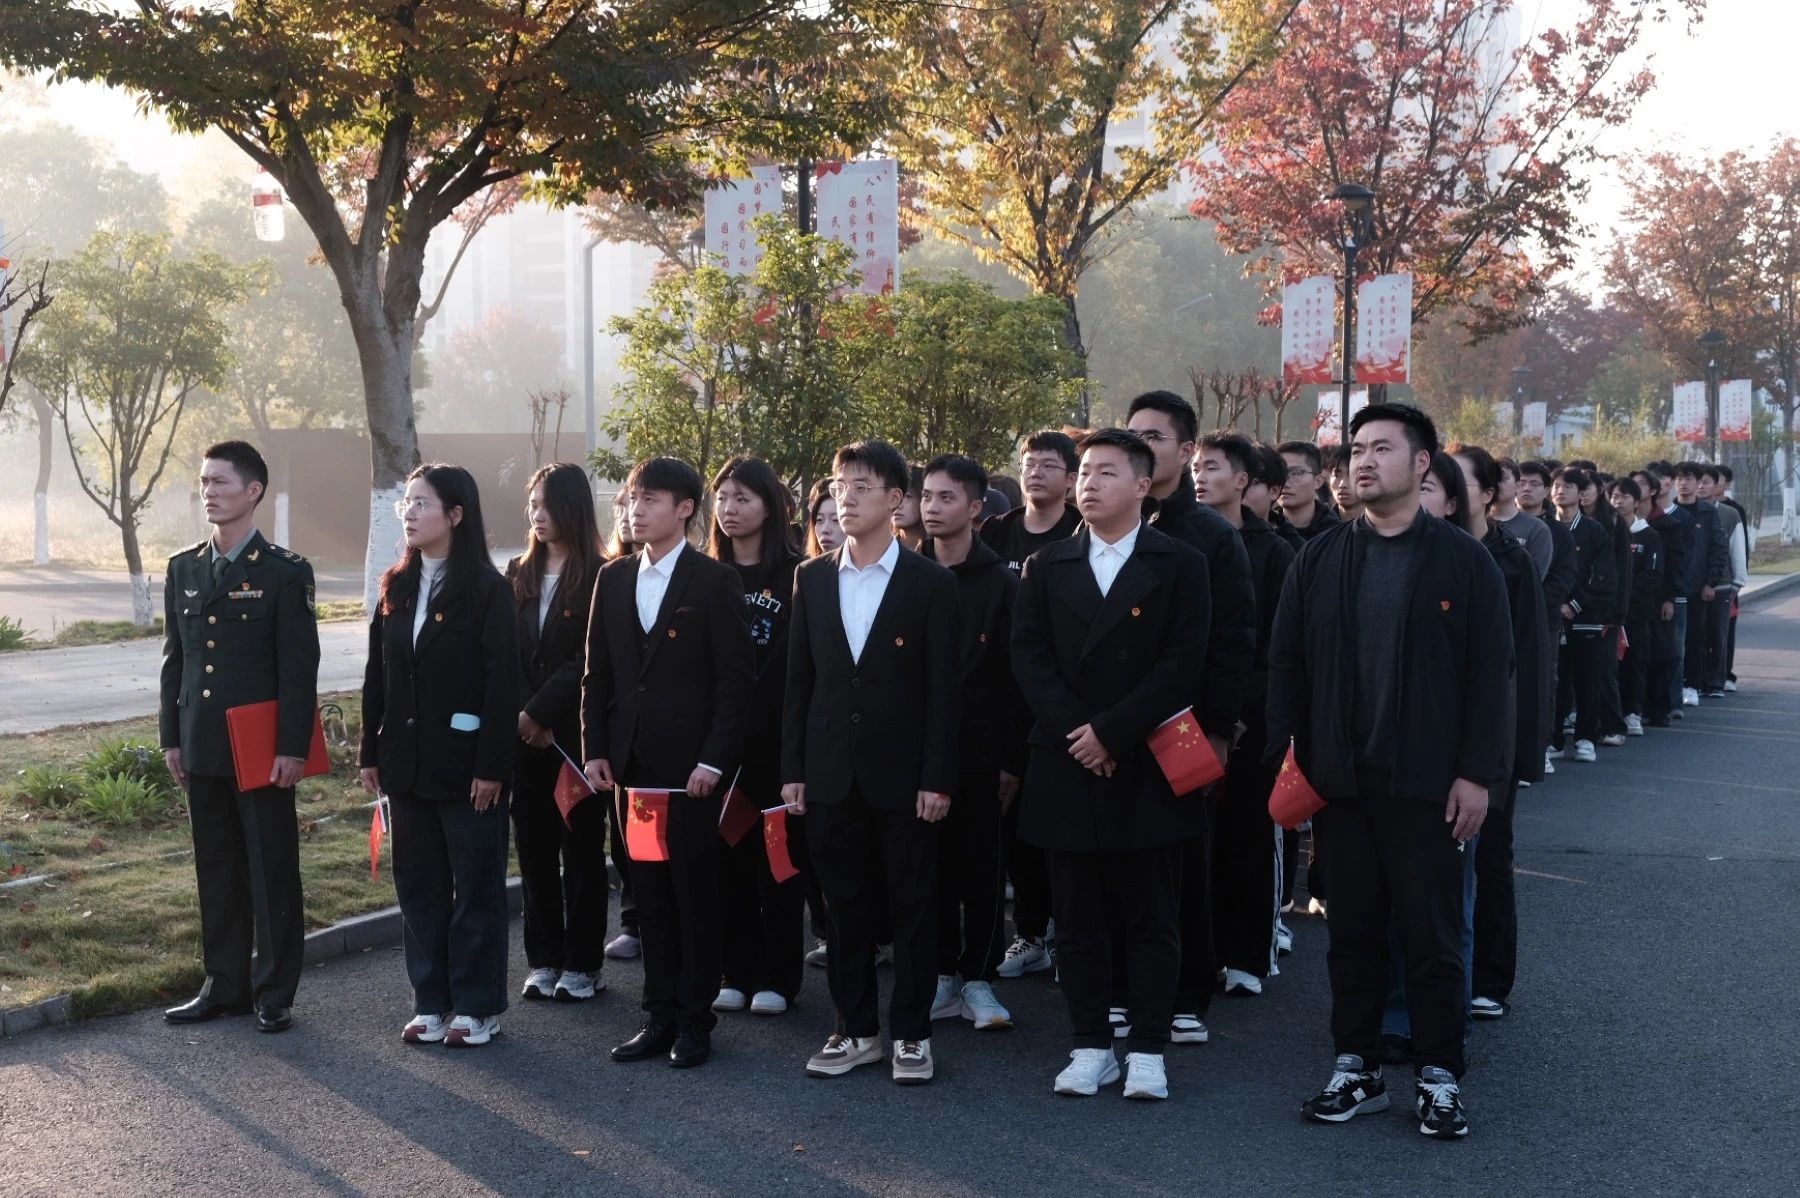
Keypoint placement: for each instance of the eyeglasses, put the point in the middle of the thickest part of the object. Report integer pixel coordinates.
(1152, 438)
(1293, 473)
(1030, 468)
(403, 506)
(841, 491)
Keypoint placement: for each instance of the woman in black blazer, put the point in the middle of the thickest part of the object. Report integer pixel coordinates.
(440, 715)
(562, 864)
(752, 518)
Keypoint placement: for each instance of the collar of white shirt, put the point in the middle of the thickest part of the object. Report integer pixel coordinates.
(665, 567)
(1123, 546)
(885, 563)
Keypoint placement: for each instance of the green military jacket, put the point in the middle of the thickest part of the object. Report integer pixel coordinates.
(250, 637)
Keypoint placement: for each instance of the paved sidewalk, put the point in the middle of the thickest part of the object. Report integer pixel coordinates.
(45, 598)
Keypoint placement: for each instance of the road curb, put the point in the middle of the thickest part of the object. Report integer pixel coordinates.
(1769, 590)
(358, 934)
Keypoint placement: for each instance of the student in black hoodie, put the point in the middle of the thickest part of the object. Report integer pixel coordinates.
(1596, 506)
(971, 874)
(1642, 615)
(752, 523)
(1581, 679)
(1167, 424)
(1306, 513)
(1661, 681)
(1246, 868)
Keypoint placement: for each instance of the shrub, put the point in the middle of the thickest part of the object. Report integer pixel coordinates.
(12, 634)
(119, 800)
(135, 759)
(54, 786)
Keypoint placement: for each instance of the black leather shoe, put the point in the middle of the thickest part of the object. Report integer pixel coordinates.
(691, 1048)
(652, 1041)
(274, 1019)
(202, 1009)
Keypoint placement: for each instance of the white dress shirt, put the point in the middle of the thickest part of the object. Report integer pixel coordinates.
(431, 574)
(546, 593)
(653, 584)
(1107, 560)
(860, 592)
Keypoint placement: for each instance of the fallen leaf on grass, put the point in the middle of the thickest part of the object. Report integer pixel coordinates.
(24, 942)
(27, 907)
(15, 871)
(96, 845)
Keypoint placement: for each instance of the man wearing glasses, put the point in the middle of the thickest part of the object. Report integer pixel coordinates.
(870, 733)
(1047, 476)
(1306, 513)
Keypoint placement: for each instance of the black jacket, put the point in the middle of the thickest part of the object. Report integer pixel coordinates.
(1454, 716)
(1270, 557)
(1648, 588)
(656, 704)
(248, 639)
(888, 725)
(1290, 535)
(1324, 517)
(1231, 644)
(1621, 547)
(466, 663)
(1559, 583)
(1710, 564)
(1673, 533)
(995, 718)
(768, 590)
(1534, 655)
(1596, 580)
(1124, 663)
(551, 657)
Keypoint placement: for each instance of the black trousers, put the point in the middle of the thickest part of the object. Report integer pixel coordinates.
(1659, 682)
(1580, 686)
(562, 868)
(1698, 664)
(1030, 878)
(971, 885)
(1496, 904)
(1198, 980)
(679, 916)
(1246, 885)
(1612, 707)
(1731, 647)
(1717, 632)
(247, 867)
(1634, 671)
(1392, 862)
(1113, 906)
(620, 852)
(763, 947)
(878, 869)
(450, 875)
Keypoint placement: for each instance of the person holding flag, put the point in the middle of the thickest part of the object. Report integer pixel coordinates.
(1110, 631)
(665, 703)
(562, 858)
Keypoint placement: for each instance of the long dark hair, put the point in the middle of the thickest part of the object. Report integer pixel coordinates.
(1449, 478)
(469, 559)
(570, 502)
(759, 478)
(821, 491)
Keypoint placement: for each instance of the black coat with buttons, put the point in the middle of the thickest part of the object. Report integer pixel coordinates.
(551, 655)
(1124, 662)
(249, 638)
(466, 662)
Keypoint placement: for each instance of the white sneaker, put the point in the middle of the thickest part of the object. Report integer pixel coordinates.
(625, 947)
(1613, 740)
(729, 1000)
(466, 1031)
(1026, 954)
(1284, 938)
(1634, 725)
(1119, 1021)
(424, 1029)
(947, 1002)
(1549, 765)
(1584, 751)
(1239, 982)
(1690, 697)
(1145, 1076)
(1315, 906)
(539, 985)
(818, 955)
(767, 1002)
(1486, 1008)
(1187, 1029)
(1087, 1071)
(575, 986)
(841, 1054)
(1554, 754)
(981, 1008)
(912, 1062)
(1730, 687)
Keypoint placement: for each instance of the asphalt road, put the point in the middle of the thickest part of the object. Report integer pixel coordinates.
(1651, 1050)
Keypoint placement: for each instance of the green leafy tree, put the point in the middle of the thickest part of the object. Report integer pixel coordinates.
(135, 332)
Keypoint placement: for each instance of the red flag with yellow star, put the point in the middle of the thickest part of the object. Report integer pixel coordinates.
(1186, 757)
(1293, 801)
(647, 824)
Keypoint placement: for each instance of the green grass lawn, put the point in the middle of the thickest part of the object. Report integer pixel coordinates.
(120, 928)
(105, 632)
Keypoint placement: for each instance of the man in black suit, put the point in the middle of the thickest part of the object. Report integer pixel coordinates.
(869, 753)
(239, 629)
(1109, 634)
(665, 704)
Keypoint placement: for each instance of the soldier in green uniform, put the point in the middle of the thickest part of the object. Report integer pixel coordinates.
(240, 629)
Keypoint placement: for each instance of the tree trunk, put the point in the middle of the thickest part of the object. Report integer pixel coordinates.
(40, 496)
(384, 347)
(1790, 519)
(1084, 403)
(143, 612)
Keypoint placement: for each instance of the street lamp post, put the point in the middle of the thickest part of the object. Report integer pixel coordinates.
(1359, 231)
(1521, 380)
(1712, 342)
(590, 414)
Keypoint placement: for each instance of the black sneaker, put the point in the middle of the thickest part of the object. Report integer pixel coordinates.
(1352, 1091)
(1439, 1105)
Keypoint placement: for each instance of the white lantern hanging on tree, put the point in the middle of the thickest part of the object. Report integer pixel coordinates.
(266, 208)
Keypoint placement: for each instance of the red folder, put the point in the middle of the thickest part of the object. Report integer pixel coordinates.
(775, 841)
(1186, 757)
(647, 824)
(252, 731)
(1293, 801)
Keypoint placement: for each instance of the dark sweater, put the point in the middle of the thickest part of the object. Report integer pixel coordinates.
(995, 718)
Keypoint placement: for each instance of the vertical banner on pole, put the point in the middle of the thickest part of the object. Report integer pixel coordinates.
(729, 210)
(859, 206)
(1326, 427)
(1534, 423)
(1308, 329)
(1687, 421)
(5, 282)
(1384, 329)
(1734, 410)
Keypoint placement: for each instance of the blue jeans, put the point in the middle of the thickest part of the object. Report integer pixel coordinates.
(1396, 1021)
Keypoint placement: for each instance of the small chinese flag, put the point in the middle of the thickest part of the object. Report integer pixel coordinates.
(570, 789)
(378, 829)
(1181, 749)
(647, 824)
(1293, 801)
(738, 815)
(1624, 643)
(775, 840)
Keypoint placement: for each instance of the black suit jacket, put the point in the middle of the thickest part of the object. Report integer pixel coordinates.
(886, 726)
(466, 662)
(551, 657)
(656, 704)
(1231, 648)
(1125, 663)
